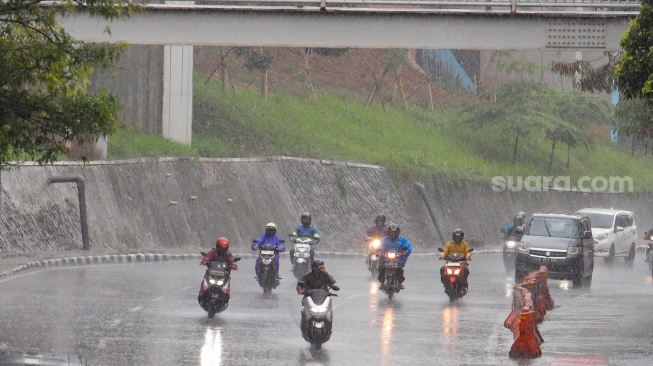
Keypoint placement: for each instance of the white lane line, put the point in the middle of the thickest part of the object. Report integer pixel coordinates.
(187, 288)
(352, 296)
(136, 309)
(115, 323)
(102, 344)
(158, 298)
(308, 354)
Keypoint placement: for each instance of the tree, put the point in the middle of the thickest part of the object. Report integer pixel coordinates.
(44, 75)
(587, 78)
(394, 59)
(260, 60)
(635, 71)
(518, 109)
(634, 120)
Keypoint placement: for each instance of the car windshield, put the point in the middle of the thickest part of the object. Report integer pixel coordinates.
(553, 227)
(600, 221)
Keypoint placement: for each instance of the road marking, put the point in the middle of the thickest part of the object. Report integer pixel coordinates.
(136, 309)
(187, 288)
(158, 298)
(308, 355)
(102, 344)
(352, 296)
(115, 323)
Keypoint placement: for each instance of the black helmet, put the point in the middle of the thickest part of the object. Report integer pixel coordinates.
(380, 217)
(317, 263)
(518, 220)
(393, 228)
(306, 215)
(458, 234)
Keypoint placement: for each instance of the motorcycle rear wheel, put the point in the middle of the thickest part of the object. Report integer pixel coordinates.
(211, 314)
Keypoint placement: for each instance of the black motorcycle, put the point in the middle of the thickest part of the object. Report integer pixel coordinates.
(267, 279)
(454, 272)
(217, 281)
(391, 284)
(317, 317)
(648, 236)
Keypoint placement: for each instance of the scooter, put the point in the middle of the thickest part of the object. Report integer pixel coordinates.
(372, 258)
(454, 271)
(649, 250)
(302, 250)
(317, 317)
(391, 284)
(267, 279)
(217, 282)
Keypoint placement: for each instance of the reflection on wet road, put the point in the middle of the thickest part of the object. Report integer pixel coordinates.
(147, 314)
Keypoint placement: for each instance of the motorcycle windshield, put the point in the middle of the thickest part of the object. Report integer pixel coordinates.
(319, 296)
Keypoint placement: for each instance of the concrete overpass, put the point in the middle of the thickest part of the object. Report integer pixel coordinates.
(428, 24)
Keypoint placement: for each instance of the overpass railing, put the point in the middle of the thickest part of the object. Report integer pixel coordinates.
(476, 6)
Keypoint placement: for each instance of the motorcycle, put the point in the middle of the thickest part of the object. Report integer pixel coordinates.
(373, 259)
(391, 284)
(454, 270)
(317, 317)
(509, 248)
(217, 282)
(303, 258)
(649, 250)
(267, 270)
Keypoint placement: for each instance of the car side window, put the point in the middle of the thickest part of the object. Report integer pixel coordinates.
(631, 221)
(623, 221)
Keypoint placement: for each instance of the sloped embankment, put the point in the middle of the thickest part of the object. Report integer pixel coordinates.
(177, 203)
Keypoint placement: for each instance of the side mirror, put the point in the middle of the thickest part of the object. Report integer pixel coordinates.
(619, 229)
(282, 241)
(237, 259)
(404, 248)
(587, 235)
(203, 254)
(471, 250)
(254, 241)
(440, 250)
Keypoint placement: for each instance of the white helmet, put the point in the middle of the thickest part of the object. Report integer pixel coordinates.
(271, 226)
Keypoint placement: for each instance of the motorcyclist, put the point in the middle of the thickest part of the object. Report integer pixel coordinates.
(459, 246)
(398, 244)
(220, 253)
(647, 236)
(304, 230)
(376, 231)
(270, 237)
(510, 229)
(317, 278)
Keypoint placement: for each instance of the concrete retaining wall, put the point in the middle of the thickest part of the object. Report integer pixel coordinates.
(177, 203)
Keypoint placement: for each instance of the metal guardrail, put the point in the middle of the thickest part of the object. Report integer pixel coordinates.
(476, 6)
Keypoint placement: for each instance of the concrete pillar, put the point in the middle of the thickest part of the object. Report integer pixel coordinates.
(177, 119)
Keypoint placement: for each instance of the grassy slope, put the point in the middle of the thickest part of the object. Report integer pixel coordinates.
(415, 142)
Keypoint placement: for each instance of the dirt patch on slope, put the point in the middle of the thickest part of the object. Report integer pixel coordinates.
(355, 72)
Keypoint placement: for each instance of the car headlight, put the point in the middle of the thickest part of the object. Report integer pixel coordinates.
(511, 244)
(602, 237)
(523, 246)
(574, 250)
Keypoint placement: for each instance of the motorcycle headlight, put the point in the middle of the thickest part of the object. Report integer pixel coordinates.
(301, 250)
(511, 244)
(212, 280)
(574, 250)
(523, 246)
(456, 271)
(449, 271)
(602, 236)
(376, 243)
(220, 282)
(319, 310)
(391, 255)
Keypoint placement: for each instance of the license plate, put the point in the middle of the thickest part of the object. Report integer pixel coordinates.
(545, 260)
(214, 296)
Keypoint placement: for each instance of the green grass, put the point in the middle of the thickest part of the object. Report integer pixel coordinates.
(416, 143)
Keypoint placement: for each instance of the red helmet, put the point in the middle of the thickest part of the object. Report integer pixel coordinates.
(222, 243)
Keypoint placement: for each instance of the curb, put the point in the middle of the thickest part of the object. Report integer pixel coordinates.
(149, 257)
(101, 259)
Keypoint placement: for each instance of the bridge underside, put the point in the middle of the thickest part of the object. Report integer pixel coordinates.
(175, 25)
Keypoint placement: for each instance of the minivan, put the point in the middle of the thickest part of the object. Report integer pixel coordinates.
(561, 242)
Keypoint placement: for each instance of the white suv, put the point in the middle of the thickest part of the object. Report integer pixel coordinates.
(614, 232)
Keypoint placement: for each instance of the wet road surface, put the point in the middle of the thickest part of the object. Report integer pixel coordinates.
(147, 314)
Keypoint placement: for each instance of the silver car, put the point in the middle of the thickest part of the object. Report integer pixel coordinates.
(614, 233)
